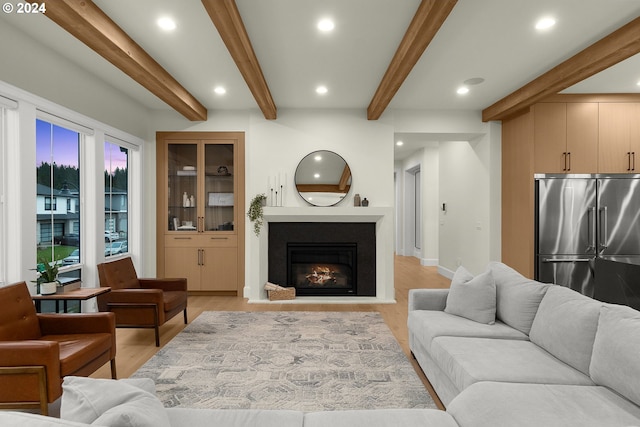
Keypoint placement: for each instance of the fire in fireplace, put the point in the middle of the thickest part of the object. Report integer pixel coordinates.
(322, 268)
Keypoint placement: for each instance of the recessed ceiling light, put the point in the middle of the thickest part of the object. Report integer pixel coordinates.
(545, 23)
(322, 90)
(399, 143)
(316, 175)
(462, 90)
(166, 23)
(325, 25)
(473, 81)
(220, 90)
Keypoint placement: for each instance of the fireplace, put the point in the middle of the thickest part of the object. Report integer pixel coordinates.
(323, 258)
(322, 268)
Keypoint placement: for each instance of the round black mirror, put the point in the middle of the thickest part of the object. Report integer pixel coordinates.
(323, 178)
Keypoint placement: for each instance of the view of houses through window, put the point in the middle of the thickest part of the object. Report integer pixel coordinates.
(116, 212)
(58, 197)
(58, 194)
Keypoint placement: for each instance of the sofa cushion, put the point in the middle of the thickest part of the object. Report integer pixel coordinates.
(517, 298)
(470, 360)
(110, 403)
(616, 351)
(24, 419)
(425, 325)
(472, 297)
(565, 326)
(381, 418)
(494, 404)
(189, 417)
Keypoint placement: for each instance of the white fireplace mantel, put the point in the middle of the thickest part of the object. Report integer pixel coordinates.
(330, 214)
(382, 216)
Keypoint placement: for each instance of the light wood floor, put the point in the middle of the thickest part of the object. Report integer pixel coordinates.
(136, 346)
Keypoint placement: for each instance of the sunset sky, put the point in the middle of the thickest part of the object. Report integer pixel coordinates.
(66, 149)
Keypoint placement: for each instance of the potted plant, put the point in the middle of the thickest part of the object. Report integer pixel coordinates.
(255, 213)
(47, 281)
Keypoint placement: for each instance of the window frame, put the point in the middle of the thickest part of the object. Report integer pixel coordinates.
(18, 202)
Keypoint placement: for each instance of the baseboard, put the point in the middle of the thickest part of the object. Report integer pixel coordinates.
(429, 262)
(445, 272)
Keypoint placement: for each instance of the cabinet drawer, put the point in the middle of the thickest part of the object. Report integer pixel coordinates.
(201, 240)
(224, 240)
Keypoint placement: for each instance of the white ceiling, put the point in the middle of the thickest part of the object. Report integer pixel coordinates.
(491, 39)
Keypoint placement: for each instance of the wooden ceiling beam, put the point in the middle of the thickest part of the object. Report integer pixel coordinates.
(89, 24)
(616, 47)
(428, 19)
(226, 18)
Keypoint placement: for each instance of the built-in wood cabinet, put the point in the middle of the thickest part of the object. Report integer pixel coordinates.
(565, 137)
(619, 138)
(200, 209)
(533, 143)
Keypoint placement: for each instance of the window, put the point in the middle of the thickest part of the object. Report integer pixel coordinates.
(57, 194)
(50, 203)
(116, 202)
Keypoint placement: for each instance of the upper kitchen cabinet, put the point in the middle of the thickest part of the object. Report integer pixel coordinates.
(200, 209)
(565, 137)
(619, 145)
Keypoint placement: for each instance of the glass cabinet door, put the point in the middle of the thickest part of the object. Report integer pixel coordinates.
(182, 162)
(219, 212)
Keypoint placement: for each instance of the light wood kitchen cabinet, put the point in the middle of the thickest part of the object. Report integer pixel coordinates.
(565, 137)
(200, 209)
(619, 144)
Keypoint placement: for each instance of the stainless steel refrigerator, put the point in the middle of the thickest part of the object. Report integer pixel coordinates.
(580, 218)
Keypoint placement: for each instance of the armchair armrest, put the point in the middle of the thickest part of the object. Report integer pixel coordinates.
(428, 299)
(29, 353)
(82, 323)
(169, 284)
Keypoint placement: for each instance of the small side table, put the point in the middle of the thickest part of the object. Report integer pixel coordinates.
(80, 294)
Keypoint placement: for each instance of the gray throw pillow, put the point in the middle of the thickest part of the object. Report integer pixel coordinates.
(614, 363)
(473, 298)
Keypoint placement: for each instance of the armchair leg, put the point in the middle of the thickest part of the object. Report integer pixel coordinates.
(113, 369)
(185, 316)
(157, 328)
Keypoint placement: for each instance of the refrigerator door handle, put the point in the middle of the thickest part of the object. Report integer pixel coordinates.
(566, 259)
(591, 228)
(604, 233)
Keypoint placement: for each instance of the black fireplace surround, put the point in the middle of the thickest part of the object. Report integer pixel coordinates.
(323, 258)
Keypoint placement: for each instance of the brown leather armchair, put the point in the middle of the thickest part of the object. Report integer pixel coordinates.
(140, 303)
(38, 350)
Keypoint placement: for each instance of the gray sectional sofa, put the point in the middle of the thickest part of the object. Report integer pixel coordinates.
(549, 356)
(499, 349)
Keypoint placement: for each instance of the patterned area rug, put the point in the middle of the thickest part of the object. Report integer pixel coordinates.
(306, 361)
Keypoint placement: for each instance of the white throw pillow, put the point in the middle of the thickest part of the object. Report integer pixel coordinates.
(473, 298)
(110, 403)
